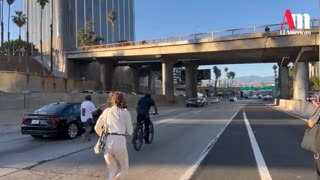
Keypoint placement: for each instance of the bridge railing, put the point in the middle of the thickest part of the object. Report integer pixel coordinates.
(194, 37)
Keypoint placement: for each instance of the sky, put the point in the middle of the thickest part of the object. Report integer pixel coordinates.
(163, 18)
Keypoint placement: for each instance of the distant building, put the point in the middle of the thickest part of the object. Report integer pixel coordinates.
(69, 16)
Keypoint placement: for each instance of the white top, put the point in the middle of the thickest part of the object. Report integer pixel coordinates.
(89, 108)
(117, 120)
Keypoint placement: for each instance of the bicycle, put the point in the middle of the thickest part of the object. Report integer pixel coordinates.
(139, 133)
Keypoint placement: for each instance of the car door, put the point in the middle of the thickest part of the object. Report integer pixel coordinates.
(69, 114)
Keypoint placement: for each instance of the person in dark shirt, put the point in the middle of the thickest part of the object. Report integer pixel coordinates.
(311, 123)
(143, 108)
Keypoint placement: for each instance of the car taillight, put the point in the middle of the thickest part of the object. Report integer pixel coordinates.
(24, 119)
(54, 120)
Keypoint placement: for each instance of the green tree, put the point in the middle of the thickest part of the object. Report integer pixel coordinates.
(42, 4)
(17, 46)
(112, 17)
(20, 20)
(315, 83)
(217, 73)
(87, 37)
(10, 2)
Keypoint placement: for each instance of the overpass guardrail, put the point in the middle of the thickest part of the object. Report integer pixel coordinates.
(314, 23)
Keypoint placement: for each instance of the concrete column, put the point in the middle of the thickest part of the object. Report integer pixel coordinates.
(191, 79)
(167, 79)
(284, 81)
(136, 77)
(135, 83)
(151, 82)
(106, 74)
(301, 81)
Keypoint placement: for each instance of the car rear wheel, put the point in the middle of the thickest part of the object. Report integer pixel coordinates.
(72, 130)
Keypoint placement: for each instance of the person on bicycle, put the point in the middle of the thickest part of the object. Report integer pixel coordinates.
(143, 108)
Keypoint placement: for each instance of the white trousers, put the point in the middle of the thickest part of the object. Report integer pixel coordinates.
(116, 156)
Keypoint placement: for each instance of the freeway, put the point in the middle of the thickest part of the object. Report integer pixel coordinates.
(214, 142)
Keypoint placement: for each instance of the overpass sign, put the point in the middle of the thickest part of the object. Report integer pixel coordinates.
(296, 23)
(267, 88)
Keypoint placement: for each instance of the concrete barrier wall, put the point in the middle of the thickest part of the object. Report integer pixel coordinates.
(303, 108)
(36, 100)
(18, 82)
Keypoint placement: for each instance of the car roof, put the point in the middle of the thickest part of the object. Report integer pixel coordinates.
(67, 103)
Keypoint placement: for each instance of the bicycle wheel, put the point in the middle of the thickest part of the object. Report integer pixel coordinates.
(137, 138)
(151, 134)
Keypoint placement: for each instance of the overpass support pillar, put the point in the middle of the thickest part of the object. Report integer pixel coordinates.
(106, 74)
(167, 79)
(301, 76)
(136, 76)
(301, 81)
(191, 79)
(151, 82)
(284, 80)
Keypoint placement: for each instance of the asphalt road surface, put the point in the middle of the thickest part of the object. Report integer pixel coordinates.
(214, 142)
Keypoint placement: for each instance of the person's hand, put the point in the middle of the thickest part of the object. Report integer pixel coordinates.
(316, 103)
(311, 124)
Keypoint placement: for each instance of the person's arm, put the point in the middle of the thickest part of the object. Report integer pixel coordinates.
(155, 107)
(315, 103)
(100, 123)
(129, 127)
(315, 117)
(93, 107)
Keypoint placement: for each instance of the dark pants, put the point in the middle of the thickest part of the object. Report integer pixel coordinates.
(88, 128)
(317, 165)
(146, 119)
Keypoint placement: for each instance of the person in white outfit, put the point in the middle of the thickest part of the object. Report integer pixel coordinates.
(118, 122)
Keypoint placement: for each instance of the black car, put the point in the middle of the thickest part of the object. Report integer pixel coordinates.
(195, 102)
(56, 119)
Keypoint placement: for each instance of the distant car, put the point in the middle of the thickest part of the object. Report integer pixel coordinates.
(267, 97)
(204, 100)
(215, 100)
(233, 99)
(56, 119)
(101, 92)
(80, 91)
(194, 102)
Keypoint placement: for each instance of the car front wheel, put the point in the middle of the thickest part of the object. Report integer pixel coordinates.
(72, 130)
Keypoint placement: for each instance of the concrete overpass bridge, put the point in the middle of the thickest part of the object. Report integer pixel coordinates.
(235, 46)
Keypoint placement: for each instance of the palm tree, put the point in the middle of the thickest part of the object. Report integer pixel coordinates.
(228, 76)
(10, 2)
(275, 67)
(217, 73)
(20, 20)
(232, 74)
(226, 70)
(42, 3)
(112, 17)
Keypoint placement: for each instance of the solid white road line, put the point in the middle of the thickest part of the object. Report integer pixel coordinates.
(262, 167)
(191, 170)
(289, 113)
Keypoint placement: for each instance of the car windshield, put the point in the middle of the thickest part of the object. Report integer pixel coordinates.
(52, 108)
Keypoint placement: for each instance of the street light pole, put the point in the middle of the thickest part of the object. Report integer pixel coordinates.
(2, 23)
(51, 39)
